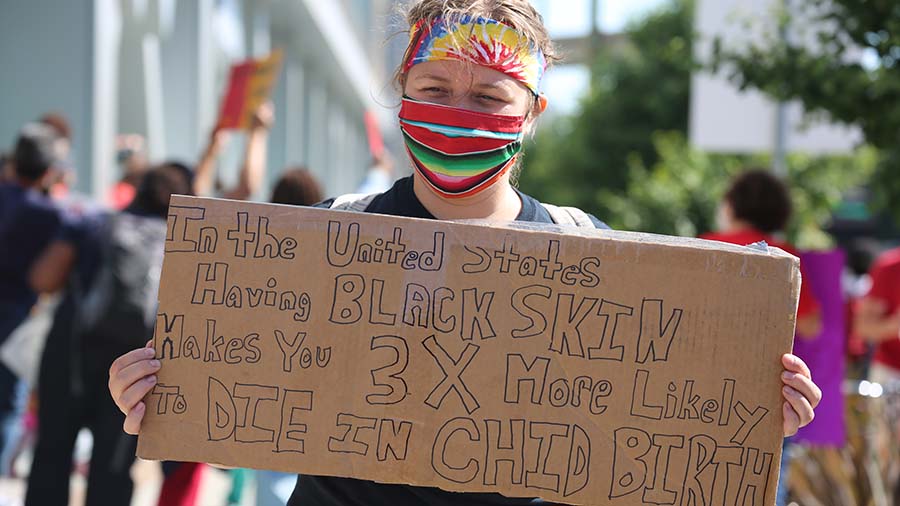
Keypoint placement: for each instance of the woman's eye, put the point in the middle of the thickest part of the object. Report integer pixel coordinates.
(433, 89)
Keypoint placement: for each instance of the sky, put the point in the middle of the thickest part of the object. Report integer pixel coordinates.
(566, 84)
(567, 18)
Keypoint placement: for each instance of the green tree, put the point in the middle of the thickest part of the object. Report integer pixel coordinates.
(841, 60)
(639, 86)
(625, 158)
(680, 193)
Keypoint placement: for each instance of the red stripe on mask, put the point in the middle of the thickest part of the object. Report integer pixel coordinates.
(424, 112)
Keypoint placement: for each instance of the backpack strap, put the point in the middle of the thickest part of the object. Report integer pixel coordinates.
(353, 202)
(569, 216)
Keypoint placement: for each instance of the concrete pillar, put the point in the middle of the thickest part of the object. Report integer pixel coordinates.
(190, 100)
(318, 132)
(295, 113)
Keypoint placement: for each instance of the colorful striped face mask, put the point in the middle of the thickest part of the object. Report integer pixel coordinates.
(459, 152)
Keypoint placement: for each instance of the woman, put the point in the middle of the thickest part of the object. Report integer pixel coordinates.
(470, 81)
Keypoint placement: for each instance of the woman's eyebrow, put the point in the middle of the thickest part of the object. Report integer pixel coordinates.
(434, 77)
(492, 86)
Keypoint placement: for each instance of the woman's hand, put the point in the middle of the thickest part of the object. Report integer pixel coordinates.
(131, 376)
(800, 393)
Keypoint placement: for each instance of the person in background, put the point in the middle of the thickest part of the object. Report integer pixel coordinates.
(298, 187)
(7, 174)
(29, 220)
(757, 206)
(109, 265)
(253, 171)
(63, 177)
(484, 90)
(60, 125)
(857, 282)
(877, 321)
(132, 161)
(877, 317)
(57, 183)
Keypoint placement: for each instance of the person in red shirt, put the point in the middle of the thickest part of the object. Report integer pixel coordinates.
(755, 208)
(877, 317)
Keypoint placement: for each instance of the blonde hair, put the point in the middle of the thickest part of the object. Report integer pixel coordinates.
(519, 14)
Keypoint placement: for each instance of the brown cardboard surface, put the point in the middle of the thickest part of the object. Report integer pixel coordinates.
(592, 367)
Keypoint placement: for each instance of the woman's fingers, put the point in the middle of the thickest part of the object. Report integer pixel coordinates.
(800, 405)
(131, 377)
(128, 370)
(793, 363)
(130, 358)
(133, 419)
(791, 420)
(133, 395)
(124, 378)
(804, 386)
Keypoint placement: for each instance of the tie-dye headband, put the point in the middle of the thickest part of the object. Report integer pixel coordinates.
(481, 41)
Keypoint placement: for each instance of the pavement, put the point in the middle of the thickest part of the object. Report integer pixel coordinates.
(148, 480)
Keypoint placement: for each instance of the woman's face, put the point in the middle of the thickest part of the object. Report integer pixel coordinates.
(468, 86)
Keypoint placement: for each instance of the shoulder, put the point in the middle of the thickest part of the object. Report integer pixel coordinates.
(535, 211)
(399, 200)
(711, 236)
(83, 228)
(598, 223)
(40, 210)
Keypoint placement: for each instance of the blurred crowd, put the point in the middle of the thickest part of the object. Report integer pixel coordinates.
(78, 282)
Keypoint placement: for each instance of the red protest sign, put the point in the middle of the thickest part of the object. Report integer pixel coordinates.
(249, 85)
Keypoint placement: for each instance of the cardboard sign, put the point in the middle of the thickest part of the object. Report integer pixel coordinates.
(249, 85)
(591, 367)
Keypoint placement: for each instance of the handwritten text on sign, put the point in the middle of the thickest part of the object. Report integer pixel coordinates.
(592, 368)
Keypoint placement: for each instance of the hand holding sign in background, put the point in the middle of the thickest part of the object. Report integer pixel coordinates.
(611, 367)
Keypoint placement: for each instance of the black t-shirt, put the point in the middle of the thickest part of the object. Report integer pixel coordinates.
(400, 200)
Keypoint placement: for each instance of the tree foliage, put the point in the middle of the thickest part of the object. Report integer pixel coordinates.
(840, 58)
(637, 87)
(680, 193)
(624, 156)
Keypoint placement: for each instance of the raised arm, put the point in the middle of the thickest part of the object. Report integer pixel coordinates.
(872, 322)
(204, 175)
(51, 270)
(254, 169)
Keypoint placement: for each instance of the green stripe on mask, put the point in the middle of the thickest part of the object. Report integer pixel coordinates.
(461, 165)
